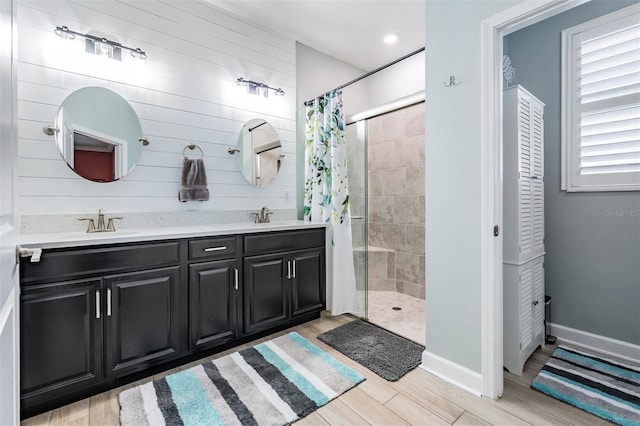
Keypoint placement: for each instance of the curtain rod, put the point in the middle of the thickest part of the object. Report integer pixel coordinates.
(355, 80)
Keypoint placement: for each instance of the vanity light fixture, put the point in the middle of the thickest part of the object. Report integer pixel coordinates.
(256, 88)
(100, 45)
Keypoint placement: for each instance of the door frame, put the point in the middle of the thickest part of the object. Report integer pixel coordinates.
(493, 29)
(9, 280)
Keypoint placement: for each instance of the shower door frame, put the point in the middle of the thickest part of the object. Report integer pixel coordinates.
(397, 104)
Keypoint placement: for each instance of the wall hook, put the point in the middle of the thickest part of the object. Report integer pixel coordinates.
(452, 81)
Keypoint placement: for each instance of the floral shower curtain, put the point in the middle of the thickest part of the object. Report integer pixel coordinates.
(326, 194)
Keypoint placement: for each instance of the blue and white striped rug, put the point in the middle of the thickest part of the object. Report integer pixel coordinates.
(604, 387)
(272, 383)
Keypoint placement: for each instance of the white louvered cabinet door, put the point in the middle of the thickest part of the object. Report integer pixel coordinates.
(537, 301)
(525, 172)
(526, 306)
(537, 179)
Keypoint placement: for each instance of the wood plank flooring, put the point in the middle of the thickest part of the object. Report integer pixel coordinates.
(419, 398)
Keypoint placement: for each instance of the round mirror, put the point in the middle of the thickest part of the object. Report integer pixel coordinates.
(260, 153)
(98, 134)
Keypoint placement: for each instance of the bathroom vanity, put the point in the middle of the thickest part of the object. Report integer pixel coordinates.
(99, 311)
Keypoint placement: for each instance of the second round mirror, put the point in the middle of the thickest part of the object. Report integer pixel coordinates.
(260, 153)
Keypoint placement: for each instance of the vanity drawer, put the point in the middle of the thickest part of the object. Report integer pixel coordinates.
(59, 264)
(283, 241)
(213, 248)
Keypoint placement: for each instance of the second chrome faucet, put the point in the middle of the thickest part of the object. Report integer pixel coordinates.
(262, 216)
(110, 227)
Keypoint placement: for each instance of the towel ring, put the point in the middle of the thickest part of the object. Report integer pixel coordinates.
(193, 146)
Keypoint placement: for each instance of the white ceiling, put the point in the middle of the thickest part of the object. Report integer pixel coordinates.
(350, 30)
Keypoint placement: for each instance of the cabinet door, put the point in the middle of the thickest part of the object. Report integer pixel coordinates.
(308, 281)
(61, 338)
(537, 179)
(213, 288)
(525, 160)
(538, 299)
(265, 294)
(142, 314)
(526, 311)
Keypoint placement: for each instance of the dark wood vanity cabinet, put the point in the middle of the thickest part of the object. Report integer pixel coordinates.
(83, 326)
(286, 284)
(214, 285)
(307, 284)
(96, 317)
(60, 339)
(266, 292)
(141, 319)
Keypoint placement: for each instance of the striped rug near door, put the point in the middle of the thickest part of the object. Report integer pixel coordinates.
(604, 387)
(274, 383)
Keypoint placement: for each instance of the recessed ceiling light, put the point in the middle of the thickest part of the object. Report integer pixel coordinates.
(390, 38)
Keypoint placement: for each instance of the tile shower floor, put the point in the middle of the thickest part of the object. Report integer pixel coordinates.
(409, 322)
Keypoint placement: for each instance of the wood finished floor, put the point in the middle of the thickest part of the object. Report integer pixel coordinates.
(419, 398)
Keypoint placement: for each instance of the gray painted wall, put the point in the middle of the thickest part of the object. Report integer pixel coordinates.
(592, 264)
(453, 173)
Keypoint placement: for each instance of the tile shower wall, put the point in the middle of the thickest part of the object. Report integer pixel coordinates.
(396, 201)
(185, 92)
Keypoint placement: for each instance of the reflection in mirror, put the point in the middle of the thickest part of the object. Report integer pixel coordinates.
(98, 134)
(260, 155)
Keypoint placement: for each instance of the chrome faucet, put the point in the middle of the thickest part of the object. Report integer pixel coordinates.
(91, 227)
(262, 216)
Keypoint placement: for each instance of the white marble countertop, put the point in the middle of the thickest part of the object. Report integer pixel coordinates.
(80, 239)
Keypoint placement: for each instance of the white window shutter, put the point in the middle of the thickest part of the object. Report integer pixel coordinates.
(601, 103)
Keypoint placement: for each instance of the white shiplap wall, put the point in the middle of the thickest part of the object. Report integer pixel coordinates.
(185, 92)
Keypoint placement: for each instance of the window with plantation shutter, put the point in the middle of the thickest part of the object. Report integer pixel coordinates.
(601, 103)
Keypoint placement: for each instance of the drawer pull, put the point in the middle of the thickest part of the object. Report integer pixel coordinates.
(97, 304)
(235, 271)
(108, 302)
(215, 248)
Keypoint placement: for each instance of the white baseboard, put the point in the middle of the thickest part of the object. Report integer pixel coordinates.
(453, 373)
(605, 345)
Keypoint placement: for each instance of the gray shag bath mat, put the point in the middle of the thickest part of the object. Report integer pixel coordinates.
(388, 355)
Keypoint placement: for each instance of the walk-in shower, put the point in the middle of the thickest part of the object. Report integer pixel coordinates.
(386, 185)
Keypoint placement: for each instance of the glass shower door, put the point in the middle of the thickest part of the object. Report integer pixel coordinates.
(356, 137)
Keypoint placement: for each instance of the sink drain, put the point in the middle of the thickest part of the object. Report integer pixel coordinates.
(397, 308)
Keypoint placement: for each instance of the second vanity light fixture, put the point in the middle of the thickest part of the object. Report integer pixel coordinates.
(100, 45)
(256, 88)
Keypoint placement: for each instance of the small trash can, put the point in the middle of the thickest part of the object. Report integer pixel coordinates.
(549, 339)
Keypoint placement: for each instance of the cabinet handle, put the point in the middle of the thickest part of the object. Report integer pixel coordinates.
(97, 304)
(216, 248)
(288, 269)
(235, 271)
(293, 275)
(108, 302)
